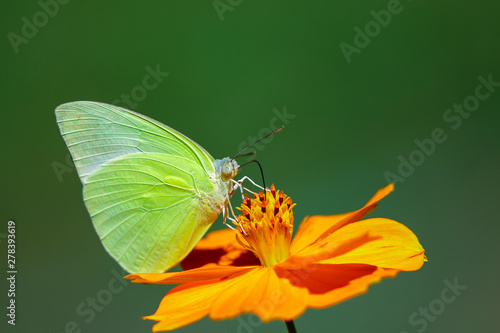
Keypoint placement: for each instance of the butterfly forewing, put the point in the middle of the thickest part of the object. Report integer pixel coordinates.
(96, 133)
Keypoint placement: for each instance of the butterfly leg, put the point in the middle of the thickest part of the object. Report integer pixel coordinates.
(226, 217)
(234, 220)
(251, 181)
(239, 184)
(240, 181)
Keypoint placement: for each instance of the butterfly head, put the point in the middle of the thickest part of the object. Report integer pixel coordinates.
(228, 168)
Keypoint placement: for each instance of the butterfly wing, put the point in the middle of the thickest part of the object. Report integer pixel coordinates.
(97, 132)
(147, 187)
(149, 209)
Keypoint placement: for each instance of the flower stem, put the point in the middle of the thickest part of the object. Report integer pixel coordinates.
(290, 326)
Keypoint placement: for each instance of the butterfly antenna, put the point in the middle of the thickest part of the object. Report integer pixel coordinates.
(249, 154)
(250, 145)
(261, 173)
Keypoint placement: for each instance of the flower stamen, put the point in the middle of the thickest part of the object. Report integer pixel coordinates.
(265, 226)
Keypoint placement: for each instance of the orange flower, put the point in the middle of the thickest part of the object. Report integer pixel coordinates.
(331, 259)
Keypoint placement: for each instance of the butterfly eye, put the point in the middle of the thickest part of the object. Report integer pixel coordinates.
(227, 170)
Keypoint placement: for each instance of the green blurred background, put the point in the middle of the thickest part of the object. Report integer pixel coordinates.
(232, 68)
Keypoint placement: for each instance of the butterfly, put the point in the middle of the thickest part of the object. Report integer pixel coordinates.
(151, 191)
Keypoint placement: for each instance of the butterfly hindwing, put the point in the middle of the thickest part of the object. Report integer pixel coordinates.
(148, 209)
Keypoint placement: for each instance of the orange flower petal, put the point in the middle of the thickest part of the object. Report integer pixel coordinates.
(262, 293)
(331, 284)
(217, 239)
(378, 242)
(312, 227)
(219, 247)
(271, 293)
(320, 226)
(203, 273)
(190, 302)
(320, 251)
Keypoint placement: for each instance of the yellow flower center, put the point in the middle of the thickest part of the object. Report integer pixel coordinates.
(266, 226)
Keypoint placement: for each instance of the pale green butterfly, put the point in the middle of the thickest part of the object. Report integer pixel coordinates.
(151, 192)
